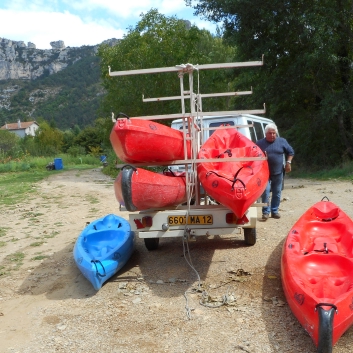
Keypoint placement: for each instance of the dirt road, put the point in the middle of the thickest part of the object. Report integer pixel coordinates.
(156, 303)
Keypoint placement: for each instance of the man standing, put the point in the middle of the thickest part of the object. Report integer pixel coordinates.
(275, 148)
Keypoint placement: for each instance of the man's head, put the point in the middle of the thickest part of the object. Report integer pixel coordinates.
(271, 132)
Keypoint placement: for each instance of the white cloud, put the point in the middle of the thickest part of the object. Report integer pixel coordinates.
(41, 28)
(120, 8)
(130, 8)
(81, 22)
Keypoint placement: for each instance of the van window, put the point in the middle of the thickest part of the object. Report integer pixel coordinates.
(219, 124)
(252, 132)
(257, 131)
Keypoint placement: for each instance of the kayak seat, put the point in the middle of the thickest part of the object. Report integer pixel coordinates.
(314, 234)
(326, 211)
(98, 252)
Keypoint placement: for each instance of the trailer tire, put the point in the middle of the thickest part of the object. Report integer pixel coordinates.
(151, 243)
(250, 236)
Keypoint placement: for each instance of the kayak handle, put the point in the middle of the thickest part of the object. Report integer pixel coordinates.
(232, 181)
(129, 166)
(326, 304)
(324, 250)
(122, 114)
(236, 177)
(166, 170)
(228, 151)
(97, 272)
(325, 197)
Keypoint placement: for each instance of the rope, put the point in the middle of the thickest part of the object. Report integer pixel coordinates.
(193, 181)
(205, 295)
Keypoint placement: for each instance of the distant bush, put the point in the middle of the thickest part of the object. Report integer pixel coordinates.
(75, 151)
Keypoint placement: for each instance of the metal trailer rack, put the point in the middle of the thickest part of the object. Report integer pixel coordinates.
(200, 216)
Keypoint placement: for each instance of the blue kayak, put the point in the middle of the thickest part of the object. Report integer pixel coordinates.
(103, 248)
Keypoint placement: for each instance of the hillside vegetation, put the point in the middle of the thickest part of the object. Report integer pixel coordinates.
(66, 98)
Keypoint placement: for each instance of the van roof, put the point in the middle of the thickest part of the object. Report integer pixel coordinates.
(247, 116)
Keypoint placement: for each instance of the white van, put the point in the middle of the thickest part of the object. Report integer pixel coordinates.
(252, 126)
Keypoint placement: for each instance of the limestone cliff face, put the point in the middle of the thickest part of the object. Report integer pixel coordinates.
(25, 62)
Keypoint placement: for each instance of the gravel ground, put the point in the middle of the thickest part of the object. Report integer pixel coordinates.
(157, 302)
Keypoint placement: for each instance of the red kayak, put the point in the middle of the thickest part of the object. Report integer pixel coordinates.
(139, 189)
(317, 273)
(137, 141)
(236, 185)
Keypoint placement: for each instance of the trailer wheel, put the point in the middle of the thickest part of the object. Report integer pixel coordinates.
(151, 243)
(250, 236)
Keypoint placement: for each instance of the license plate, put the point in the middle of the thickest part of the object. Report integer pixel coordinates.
(193, 220)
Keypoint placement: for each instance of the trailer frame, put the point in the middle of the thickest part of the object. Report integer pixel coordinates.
(201, 215)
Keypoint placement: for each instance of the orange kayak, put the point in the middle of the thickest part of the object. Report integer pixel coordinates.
(137, 141)
(317, 273)
(236, 185)
(139, 189)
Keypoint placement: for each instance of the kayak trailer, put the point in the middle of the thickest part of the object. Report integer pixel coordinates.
(200, 215)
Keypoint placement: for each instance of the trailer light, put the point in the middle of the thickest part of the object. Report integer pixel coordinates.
(147, 221)
(144, 222)
(231, 218)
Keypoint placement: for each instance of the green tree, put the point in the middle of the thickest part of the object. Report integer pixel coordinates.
(306, 81)
(103, 127)
(160, 41)
(89, 138)
(8, 141)
(49, 140)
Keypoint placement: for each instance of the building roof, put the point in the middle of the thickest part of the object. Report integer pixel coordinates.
(14, 126)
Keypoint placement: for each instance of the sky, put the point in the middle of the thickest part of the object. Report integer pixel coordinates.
(82, 22)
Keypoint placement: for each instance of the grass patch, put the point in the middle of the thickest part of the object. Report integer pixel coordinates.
(16, 187)
(93, 210)
(51, 235)
(3, 231)
(39, 257)
(58, 224)
(17, 259)
(18, 179)
(2, 244)
(37, 243)
(342, 172)
(92, 199)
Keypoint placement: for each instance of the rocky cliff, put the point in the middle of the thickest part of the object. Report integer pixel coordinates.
(19, 61)
(61, 84)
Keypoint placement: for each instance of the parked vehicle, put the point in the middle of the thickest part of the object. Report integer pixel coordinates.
(199, 216)
(251, 126)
